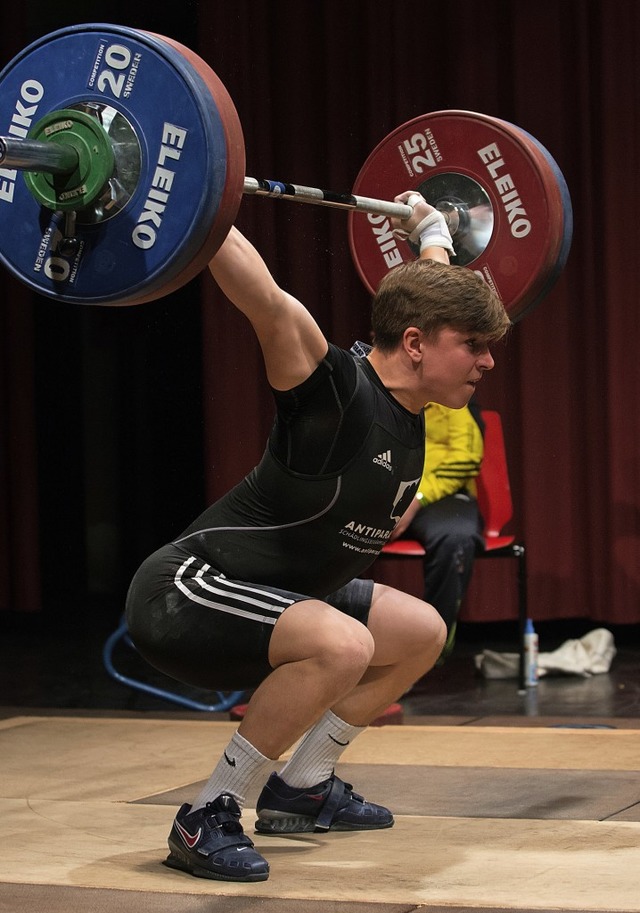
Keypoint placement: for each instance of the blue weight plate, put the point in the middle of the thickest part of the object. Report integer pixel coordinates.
(236, 164)
(168, 217)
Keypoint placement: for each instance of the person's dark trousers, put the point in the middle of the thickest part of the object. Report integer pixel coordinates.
(450, 531)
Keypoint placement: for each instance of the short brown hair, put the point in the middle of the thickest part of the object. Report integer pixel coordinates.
(430, 295)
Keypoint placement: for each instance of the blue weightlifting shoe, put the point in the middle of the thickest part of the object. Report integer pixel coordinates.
(210, 843)
(329, 806)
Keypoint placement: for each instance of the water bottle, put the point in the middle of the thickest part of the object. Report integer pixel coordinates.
(530, 655)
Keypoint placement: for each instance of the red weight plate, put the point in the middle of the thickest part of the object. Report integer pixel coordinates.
(236, 165)
(560, 226)
(510, 193)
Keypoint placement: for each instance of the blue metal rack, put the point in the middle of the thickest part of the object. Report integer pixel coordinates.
(226, 699)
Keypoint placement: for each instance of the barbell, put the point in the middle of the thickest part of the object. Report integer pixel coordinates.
(122, 169)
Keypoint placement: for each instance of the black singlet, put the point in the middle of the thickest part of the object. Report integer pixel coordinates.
(342, 464)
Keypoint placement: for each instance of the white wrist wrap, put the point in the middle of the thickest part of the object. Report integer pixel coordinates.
(433, 231)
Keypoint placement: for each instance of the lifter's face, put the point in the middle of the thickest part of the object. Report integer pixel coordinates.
(452, 364)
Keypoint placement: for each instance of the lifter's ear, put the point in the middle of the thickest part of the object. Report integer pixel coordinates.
(412, 342)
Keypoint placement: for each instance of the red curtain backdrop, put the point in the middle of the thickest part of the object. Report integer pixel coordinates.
(317, 86)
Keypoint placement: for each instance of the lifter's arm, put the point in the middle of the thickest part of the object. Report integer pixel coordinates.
(292, 343)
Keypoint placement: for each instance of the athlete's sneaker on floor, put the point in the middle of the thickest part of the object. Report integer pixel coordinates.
(331, 805)
(210, 843)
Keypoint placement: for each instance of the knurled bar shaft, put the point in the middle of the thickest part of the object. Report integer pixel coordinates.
(303, 194)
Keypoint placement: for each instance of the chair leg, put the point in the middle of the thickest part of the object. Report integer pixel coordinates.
(520, 553)
(226, 700)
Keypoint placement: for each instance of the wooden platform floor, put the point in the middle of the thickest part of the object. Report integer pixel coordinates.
(489, 817)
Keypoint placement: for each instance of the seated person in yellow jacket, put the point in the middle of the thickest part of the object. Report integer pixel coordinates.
(444, 515)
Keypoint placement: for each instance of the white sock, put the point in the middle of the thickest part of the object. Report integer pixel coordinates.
(315, 757)
(237, 770)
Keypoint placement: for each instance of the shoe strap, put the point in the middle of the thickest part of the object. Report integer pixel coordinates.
(332, 803)
(213, 842)
(226, 819)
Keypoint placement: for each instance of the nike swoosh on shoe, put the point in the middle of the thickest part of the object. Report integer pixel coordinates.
(189, 839)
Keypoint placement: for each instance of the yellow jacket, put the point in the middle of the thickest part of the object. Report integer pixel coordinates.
(453, 452)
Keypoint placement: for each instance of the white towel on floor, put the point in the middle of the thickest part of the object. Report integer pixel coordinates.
(584, 656)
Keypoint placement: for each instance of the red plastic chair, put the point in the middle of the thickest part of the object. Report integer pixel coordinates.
(496, 507)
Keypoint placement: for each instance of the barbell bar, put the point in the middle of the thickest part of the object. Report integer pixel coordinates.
(120, 205)
(314, 195)
(63, 159)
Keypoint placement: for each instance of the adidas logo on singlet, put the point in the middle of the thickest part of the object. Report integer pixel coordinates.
(384, 459)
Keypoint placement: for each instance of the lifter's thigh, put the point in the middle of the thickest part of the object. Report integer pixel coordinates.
(312, 629)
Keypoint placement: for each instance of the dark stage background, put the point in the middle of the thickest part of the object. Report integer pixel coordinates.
(119, 424)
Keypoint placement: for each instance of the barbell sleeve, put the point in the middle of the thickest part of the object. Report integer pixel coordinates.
(35, 155)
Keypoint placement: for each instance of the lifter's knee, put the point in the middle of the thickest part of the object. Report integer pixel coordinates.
(405, 628)
(340, 646)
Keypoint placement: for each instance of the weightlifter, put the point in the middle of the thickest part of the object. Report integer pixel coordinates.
(263, 590)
